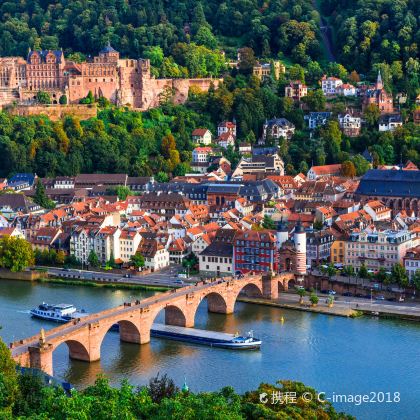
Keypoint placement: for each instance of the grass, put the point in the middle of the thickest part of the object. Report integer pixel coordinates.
(118, 286)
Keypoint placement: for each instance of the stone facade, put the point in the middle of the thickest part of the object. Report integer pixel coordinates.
(122, 81)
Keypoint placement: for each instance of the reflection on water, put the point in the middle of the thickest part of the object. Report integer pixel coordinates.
(332, 354)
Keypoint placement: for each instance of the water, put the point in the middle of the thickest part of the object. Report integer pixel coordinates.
(332, 354)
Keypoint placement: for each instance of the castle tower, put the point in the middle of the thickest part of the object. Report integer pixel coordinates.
(299, 239)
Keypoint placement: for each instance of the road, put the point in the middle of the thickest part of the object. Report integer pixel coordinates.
(360, 303)
(166, 277)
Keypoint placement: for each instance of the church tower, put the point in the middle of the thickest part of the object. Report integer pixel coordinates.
(379, 83)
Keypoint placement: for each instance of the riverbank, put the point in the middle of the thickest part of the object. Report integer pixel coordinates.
(337, 311)
(99, 284)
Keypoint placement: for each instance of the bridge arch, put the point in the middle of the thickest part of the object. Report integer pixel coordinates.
(77, 350)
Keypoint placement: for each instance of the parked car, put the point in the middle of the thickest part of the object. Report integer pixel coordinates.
(347, 294)
(332, 292)
(392, 299)
(380, 297)
(178, 281)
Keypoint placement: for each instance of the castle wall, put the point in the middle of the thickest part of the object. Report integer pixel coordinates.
(56, 112)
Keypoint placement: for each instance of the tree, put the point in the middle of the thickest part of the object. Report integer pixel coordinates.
(416, 280)
(268, 223)
(347, 169)
(161, 387)
(43, 97)
(60, 258)
(111, 262)
(314, 299)
(63, 100)
(315, 99)
(363, 272)
(247, 60)
(16, 254)
(93, 259)
(399, 275)
(205, 37)
(301, 292)
(9, 391)
(137, 260)
(371, 115)
(348, 270)
(41, 198)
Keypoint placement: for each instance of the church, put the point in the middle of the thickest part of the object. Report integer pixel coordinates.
(378, 96)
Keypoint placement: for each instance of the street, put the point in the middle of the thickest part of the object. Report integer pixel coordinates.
(166, 277)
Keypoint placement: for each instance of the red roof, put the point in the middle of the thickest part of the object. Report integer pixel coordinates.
(200, 132)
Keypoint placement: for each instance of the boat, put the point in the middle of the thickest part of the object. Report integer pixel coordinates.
(204, 337)
(61, 312)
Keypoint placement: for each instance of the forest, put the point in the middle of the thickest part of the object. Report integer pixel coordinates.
(85, 26)
(375, 31)
(23, 395)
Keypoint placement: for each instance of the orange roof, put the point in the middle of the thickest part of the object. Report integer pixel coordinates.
(327, 169)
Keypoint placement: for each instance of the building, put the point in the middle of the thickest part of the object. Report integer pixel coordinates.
(216, 260)
(201, 154)
(337, 251)
(278, 127)
(416, 116)
(316, 119)
(377, 248)
(296, 90)
(378, 96)
(129, 242)
(350, 124)
(272, 164)
(122, 81)
(255, 251)
(226, 127)
(377, 210)
(156, 257)
(13, 204)
(330, 84)
(201, 136)
(412, 262)
(166, 205)
(346, 90)
(318, 246)
(389, 122)
(225, 140)
(325, 170)
(266, 70)
(397, 189)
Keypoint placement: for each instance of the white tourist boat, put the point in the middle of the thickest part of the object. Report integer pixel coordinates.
(61, 312)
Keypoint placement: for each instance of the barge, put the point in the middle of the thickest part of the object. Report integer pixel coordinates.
(207, 338)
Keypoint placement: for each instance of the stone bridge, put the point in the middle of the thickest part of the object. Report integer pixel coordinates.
(84, 336)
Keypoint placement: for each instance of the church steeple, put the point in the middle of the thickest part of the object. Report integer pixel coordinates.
(379, 83)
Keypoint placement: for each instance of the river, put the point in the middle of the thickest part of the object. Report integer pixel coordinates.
(332, 354)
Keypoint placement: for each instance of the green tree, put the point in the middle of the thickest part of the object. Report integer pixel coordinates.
(41, 198)
(9, 390)
(302, 293)
(363, 272)
(43, 97)
(137, 260)
(93, 259)
(399, 275)
(314, 299)
(268, 223)
(63, 100)
(16, 254)
(315, 99)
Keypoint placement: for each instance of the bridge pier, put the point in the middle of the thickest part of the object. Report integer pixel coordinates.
(41, 358)
(138, 334)
(218, 305)
(174, 316)
(270, 287)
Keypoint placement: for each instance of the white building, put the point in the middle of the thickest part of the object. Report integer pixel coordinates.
(154, 253)
(346, 90)
(201, 136)
(376, 249)
(226, 127)
(278, 127)
(201, 154)
(129, 241)
(329, 85)
(412, 262)
(389, 122)
(377, 210)
(350, 124)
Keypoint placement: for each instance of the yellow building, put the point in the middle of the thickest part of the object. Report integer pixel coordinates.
(337, 251)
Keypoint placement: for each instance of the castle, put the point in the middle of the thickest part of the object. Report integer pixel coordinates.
(122, 81)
